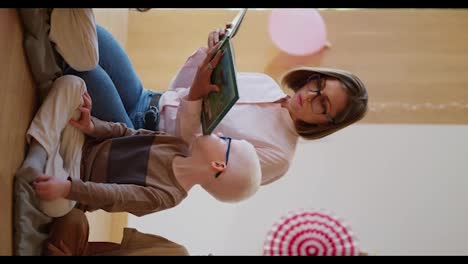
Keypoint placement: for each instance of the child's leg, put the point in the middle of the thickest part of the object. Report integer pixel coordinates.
(54, 114)
(64, 162)
(62, 142)
(71, 148)
(30, 224)
(107, 103)
(61, 206)
(34, 163)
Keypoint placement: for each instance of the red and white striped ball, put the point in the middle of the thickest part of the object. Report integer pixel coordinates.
(310, 233)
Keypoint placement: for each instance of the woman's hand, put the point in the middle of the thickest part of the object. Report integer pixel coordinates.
(215, 36)
(50, 188)
(202, 85)
(84, 123)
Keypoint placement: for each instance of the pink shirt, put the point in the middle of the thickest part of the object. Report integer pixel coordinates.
(255, 117)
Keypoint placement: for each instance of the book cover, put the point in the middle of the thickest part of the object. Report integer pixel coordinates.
(216, 105)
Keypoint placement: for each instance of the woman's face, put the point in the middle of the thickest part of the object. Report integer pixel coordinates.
(308, 106)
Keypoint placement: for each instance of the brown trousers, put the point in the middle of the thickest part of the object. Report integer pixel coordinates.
(73, 231)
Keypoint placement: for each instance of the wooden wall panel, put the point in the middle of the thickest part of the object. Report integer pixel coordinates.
(414, 61)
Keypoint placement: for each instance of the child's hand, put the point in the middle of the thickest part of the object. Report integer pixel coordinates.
(84, 123)
(50, 188)
(202, 85)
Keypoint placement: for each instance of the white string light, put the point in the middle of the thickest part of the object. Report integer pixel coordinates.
(388, 106)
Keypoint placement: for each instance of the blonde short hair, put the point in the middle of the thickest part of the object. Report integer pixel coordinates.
(242, 177)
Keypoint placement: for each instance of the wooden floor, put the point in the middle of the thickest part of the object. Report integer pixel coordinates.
(17, 107)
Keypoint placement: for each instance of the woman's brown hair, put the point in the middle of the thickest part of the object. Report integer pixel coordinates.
(356, 106)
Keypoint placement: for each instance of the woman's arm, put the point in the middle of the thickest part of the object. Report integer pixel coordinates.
(189, 111)
(186, 74)
(274, 162)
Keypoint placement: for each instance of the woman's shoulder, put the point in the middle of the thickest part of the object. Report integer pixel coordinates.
(255, 78)
(257, 75)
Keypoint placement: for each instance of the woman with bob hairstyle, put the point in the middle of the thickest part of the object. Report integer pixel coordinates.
(324, 101)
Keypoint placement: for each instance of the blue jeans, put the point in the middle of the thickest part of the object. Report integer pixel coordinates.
(114, 86)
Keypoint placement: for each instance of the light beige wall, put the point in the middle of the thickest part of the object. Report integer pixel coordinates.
(414, 61)
(115, 20)
(400, 188)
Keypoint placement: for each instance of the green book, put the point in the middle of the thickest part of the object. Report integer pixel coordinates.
(216, 105)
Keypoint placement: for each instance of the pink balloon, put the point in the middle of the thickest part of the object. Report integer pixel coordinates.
(297, 31)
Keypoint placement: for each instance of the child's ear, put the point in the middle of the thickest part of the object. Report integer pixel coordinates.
(218, 165)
